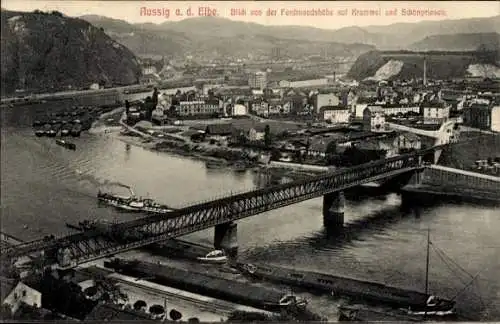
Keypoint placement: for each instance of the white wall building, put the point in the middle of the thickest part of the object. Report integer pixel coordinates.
(495, 119)
(336, 115)
(326, 99)
(257, 80)
(390, 111)
(374, 119)
(436, 114)
(239, 110)
(23, 294)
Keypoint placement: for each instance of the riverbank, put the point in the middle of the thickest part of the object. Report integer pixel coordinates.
(176, 144)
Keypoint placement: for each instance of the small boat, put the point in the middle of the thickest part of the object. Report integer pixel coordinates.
(54, 129)
(215, 164)
(63, 143)
(239, 166)
(39, 131)
(66, 129)
(37, 123)
(76, 130)
(291, 299)
(216, 256)
(44, 131)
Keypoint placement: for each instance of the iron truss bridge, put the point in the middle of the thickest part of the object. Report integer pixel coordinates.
(94, 244)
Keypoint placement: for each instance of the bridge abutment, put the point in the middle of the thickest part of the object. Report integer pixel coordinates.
(333, 209)
(226, 238)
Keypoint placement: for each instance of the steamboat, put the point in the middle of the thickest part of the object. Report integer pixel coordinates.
(133, 203)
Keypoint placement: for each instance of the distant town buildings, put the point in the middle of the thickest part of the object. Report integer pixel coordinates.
(257, 80)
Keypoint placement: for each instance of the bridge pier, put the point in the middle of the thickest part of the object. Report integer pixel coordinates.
(333, 210)
(226, 238)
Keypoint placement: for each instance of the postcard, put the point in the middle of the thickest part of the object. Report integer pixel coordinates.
(219, 161)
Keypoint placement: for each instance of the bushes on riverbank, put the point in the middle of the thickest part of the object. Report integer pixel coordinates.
(215, 152)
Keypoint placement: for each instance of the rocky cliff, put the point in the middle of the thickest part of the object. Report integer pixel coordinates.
(389, 65)
(49, 51)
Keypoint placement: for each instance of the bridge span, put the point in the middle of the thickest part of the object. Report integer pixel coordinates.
(69, 251)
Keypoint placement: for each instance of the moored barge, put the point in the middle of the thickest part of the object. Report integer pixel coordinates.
(65, 144)
(243, 293)
(354, 288)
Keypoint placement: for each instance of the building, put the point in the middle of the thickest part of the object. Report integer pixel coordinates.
(199, 108)
(374, 119)
(406, 142)
(392, 110)
(149, 70)
(239, 110)
(377, 145)
(148, 79)
(308, 83)
(219, 132)
(336, 115)
(256, 134)
(325, 99)
(482, 116)
(23, 294)
(495, 118)
(359, 109)
(257, 80)
(260, 107)
(317, 148)
(436, 113)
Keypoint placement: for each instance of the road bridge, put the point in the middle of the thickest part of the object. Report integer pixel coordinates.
(221, 213)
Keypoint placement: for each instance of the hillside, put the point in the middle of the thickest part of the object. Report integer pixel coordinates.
(44, 52)
(394, 36)
(457, 42)
(211, 37)
(403, 35)
(387, 65)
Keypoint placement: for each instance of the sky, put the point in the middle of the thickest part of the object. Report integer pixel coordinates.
(338, 13)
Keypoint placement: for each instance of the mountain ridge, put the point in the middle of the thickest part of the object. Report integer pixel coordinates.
(393, 36)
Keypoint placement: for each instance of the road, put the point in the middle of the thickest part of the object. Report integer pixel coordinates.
(42, 96)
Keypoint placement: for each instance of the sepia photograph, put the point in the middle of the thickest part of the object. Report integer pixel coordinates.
(250, 161)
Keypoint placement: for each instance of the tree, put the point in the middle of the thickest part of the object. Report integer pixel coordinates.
(111, 291)
(175, 315)
(275, 155)
(5, 312)
(331, 148)
(267, 136)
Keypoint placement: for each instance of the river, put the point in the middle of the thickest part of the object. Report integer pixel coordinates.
(44, 186)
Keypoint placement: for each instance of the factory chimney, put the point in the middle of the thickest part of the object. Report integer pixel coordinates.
(425, 71)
